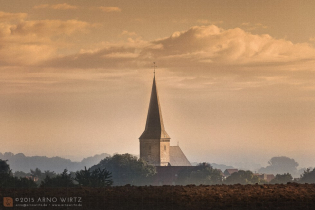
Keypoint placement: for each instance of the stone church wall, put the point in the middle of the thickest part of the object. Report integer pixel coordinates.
(150, 151)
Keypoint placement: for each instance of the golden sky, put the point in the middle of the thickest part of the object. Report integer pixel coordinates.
(236, 79)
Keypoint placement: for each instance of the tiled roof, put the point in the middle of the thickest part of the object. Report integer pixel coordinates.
(228, 172)
(177, 157)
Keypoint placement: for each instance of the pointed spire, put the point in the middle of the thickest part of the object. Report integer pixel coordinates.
(154, 128)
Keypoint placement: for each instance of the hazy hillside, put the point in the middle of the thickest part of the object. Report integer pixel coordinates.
(20, 162)
(222, 167)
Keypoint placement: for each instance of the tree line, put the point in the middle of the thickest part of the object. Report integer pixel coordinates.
(123, 169)
(116, 170)
(86, 177)
(206, 175)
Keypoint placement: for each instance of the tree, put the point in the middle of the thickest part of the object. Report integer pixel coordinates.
(127, 169)
(242, 177)
(95, 178)
(37, 176)
(203, 173)
(4, 173)
(4, 167)
(301, 170)
(51, 174)
(282, 179)
(36, 173)
(280, 165)
(21, 174)
(8, 181)
(23, 182)
(308, 176)
(61, 180)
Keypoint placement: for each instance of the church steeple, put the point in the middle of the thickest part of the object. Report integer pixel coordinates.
(154, 128)
(154, 142)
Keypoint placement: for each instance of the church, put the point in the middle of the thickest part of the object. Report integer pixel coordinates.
(155, 142)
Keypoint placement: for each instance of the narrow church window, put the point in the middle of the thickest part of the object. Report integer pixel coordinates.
(164, 147)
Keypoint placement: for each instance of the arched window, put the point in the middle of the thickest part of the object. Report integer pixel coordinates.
(164, 147)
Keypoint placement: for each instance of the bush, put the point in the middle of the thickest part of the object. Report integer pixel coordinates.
(127, 169)
(308, 176)
(203, 173)
(242, 177)
(95, 178)
(61, 180)
(282, 179)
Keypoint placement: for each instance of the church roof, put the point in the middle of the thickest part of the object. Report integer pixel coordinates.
(229, 172)
(177, 157)
(154, 128)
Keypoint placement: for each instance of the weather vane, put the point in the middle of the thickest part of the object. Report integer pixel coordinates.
(154, 67)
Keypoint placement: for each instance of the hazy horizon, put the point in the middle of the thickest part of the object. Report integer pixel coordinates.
(236, 80)
(245, 164)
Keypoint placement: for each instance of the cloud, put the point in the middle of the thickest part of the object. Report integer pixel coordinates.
(49, 27)
(25, 54)
(110, 9)
(108, 58)
(66, 6)
(218, 60)
(211, 45)
(63, 6)
(312, 39)
(129, 33)
(199, 47)
(6, 16)
(29, 42)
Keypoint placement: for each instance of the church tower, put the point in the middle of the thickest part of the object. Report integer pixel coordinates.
(154, 141)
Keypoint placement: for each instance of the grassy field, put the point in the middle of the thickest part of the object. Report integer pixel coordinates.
(289, 196)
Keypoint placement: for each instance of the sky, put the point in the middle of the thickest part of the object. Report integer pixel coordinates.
(236, 79)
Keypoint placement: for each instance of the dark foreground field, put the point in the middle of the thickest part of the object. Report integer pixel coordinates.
(289, 196)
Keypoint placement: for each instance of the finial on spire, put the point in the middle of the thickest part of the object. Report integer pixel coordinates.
(154, 67)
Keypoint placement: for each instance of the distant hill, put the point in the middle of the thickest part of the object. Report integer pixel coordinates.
(20, 162)
(217, 166)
